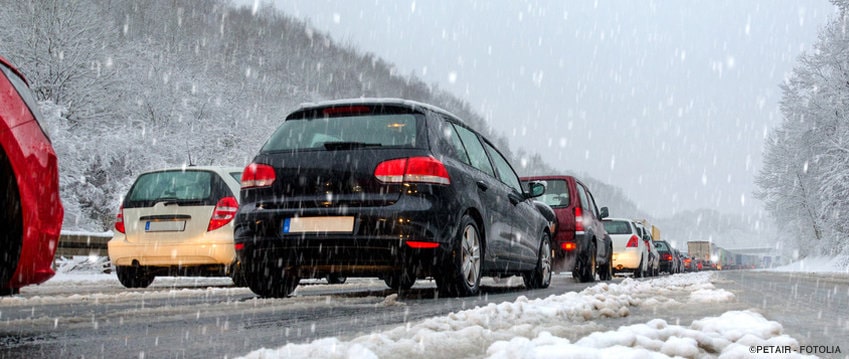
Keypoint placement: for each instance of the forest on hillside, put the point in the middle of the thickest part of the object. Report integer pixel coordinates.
(130, 86)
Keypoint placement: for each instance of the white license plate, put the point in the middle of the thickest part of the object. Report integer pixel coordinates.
(335, 224)
(164, 226)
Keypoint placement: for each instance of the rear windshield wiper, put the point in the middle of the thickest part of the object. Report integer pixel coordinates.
(348, 145)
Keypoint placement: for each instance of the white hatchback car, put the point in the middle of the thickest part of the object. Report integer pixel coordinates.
(177, 221)
(630, 253)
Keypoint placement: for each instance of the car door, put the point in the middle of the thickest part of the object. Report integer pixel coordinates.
(522, 213)
(493, 197)
(605, 243)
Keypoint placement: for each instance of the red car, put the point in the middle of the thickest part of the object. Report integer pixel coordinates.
(580, 243)
(31, 211)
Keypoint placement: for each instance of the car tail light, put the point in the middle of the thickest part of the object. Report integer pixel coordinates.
(239, 246)
(667, 257)
(346, 110)
(633, 242)
(223, 213)
(568, 246)
(422, 245)
(119, 221)
(579, 219)
(258, 175)
(412, 170)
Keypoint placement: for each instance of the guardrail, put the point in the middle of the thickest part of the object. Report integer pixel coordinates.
(82, 244)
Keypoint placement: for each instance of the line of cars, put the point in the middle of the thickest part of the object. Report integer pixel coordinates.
(390, 188)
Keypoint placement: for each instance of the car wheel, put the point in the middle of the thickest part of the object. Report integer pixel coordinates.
(585, 266)
(267, 281)
(336, 279)
(640, 272)
(403, 280)
(134, 276)
(540, 277)
(11, 221)
(237, 274)
(606, 272)
(462, 274)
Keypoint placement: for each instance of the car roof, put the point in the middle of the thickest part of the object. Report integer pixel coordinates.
(548, 177)
(374, 101)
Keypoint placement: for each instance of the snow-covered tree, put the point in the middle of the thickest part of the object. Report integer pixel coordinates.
(803, 181)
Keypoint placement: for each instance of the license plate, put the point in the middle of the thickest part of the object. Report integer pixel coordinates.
(164, 226)
(335, 224)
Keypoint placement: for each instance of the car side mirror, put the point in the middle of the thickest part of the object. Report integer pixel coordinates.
(535, 189)
(605, 212)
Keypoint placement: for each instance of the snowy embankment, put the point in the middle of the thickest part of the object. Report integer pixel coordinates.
(536, 328)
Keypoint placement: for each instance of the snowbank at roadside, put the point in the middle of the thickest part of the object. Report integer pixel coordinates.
(536, 328)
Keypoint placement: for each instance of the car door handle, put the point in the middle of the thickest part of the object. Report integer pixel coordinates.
(482, 186)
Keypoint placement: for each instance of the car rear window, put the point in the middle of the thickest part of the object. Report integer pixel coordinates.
(345, 132)
(661, 246)
(179, 187)
(617, 227)
(556, 193)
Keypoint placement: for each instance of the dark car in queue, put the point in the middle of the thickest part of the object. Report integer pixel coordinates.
(31, 211)
(668, 263)
(386, 188)
(581, 244)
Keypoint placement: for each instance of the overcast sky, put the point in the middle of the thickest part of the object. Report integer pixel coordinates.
(668, 100)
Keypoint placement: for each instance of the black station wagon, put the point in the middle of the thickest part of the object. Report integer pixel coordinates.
(386, 188)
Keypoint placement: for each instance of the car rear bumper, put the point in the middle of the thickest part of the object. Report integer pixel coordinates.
(379, 242)
(626, 260)
(200, 252)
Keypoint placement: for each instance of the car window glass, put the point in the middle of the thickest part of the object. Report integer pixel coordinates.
(455, 144)
(617, 227)
(172, 185)
(556, 193)
(583, 196)
(592, 204)
(345, 132)
(477, 155)
(505, 171)
(237, 176)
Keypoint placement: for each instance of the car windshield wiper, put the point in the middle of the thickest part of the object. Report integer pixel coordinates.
(348, 145)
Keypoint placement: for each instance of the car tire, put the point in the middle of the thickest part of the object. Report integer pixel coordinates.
(11, 221)
(400, 281)
(606, 272)
(237, 274)
(134, 276)
(640, 272)
(269, 281)
(540, 277)
(335, 279)
(461, 275)
(585, 265)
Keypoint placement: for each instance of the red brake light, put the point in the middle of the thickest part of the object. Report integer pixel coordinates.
(345, 110)
(412, 170)
(119, 221)
(667, 257)
(223, 213)
(239, 246)
(422, 245)
(258, 175)
(633, 242)
(579, 219)
(568, 246)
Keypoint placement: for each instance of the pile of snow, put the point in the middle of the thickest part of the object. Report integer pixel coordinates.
(538, 328)
(839, 264)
